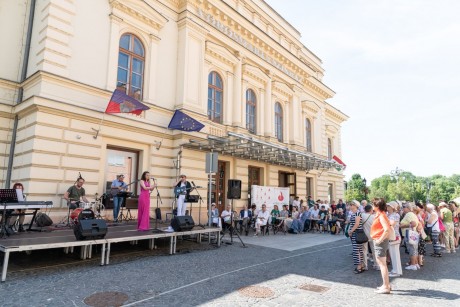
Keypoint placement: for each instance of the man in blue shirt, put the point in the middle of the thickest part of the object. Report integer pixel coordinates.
(118, 185)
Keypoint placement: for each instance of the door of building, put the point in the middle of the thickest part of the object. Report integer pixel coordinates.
(253, 179)
(218, 195)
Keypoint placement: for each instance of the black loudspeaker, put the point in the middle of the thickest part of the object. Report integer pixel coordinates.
(90, 229)
(182, 223)
(234, 189)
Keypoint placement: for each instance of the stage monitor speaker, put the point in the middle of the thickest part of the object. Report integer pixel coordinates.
(234, 189)
(211, 162)
(90, 229)
(182, 223)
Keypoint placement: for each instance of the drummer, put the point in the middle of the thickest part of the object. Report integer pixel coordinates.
(75, 193)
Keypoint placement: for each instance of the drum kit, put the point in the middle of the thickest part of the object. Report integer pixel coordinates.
(97, 208)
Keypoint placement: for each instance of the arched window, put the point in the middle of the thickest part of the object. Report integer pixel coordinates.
(251, 103)
(279, 121)
(215, 94)
(131, 61)
(329, 149)
(308, 134)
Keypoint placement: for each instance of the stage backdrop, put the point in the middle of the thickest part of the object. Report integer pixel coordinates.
(270, 196)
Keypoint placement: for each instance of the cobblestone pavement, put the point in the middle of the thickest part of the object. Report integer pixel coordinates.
(232, 276)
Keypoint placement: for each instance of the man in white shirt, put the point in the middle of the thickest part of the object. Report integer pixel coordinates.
(262, 219)
(227, 217)
(296, 202)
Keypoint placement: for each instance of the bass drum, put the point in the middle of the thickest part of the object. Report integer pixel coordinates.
(74, 215)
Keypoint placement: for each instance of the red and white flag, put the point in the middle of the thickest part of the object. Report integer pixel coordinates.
(337, 159)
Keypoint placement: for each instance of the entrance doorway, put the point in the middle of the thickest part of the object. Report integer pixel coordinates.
(288, 180)
(218, 192)
(121, 161)
(253, 179)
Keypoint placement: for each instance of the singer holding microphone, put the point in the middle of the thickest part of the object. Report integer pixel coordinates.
(143, 212)
(183, 187)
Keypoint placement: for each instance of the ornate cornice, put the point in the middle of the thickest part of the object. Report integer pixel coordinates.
(336, 115)
(140, 11)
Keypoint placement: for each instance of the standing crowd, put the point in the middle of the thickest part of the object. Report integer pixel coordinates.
(379, 232)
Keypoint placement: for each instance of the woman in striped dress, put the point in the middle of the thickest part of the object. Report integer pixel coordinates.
(355, 224)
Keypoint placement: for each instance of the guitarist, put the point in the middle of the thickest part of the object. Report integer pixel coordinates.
(185, 187)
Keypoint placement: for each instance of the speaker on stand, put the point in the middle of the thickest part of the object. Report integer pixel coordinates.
(233, 192)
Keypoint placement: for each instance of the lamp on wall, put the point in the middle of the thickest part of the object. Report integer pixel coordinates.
(158, 144)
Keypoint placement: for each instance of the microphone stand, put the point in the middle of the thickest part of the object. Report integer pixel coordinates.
(199, 209)
(159, 201)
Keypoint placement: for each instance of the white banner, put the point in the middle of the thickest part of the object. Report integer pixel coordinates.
(270, 196)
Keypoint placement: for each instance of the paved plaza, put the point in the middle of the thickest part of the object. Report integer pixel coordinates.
(319, 275)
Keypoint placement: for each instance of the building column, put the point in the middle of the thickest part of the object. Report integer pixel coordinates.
(269, 110)
(237, 94)
(150, 78)
(112, 58)
(260, 112)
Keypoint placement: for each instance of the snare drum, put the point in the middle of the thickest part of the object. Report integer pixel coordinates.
(87, 206)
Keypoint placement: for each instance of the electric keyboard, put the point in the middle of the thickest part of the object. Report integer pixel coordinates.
(25, 205)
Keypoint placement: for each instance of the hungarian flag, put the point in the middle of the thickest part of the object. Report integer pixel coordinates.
(337, 159)
(122, 103)
(181, 121)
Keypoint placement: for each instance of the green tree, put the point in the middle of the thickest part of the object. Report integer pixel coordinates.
(355, 188)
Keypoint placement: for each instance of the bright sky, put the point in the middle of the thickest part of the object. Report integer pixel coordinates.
(395, 68)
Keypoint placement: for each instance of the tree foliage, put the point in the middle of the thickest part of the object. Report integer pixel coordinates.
(407, 187)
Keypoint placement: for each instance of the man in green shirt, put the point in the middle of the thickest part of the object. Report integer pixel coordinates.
(75, 193)
(446, 217)
(310, 202)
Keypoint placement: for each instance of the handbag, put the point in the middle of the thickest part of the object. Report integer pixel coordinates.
(442, 228)
(347, 227)
(412, 237)
(361, 236)
(429, 229)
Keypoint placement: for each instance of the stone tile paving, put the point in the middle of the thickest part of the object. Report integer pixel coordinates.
(213, 278)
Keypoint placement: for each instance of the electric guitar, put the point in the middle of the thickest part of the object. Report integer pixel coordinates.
(181, 191)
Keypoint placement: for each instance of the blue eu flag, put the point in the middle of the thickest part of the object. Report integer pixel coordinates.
(181, 121)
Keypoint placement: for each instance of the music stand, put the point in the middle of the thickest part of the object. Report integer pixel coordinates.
(231, 229)
(199, 208)
(6, 196)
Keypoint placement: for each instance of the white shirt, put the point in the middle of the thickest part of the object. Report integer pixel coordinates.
(265, 215)
(226, 215)
(245, 214)
(435, 224)
(296, 203)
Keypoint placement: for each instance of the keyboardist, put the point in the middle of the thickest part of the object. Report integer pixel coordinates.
(76, 193)
(12, 219)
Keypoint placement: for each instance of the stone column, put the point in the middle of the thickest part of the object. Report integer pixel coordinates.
(237, 94)
(269, 110)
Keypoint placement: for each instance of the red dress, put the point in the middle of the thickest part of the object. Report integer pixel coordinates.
(143, 211)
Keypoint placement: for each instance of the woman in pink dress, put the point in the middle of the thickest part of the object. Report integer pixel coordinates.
(143, 212)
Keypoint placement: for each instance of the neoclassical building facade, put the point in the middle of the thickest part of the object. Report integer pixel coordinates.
(236, 66)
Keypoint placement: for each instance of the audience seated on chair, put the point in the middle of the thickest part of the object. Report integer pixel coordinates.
(214, 215)
(245, 219)
(298, 224)
(226, 217)
(262, 219)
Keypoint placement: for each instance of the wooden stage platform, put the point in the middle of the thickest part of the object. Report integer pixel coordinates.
(117, 233)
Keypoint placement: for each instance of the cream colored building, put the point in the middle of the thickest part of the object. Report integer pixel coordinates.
(236, 66)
